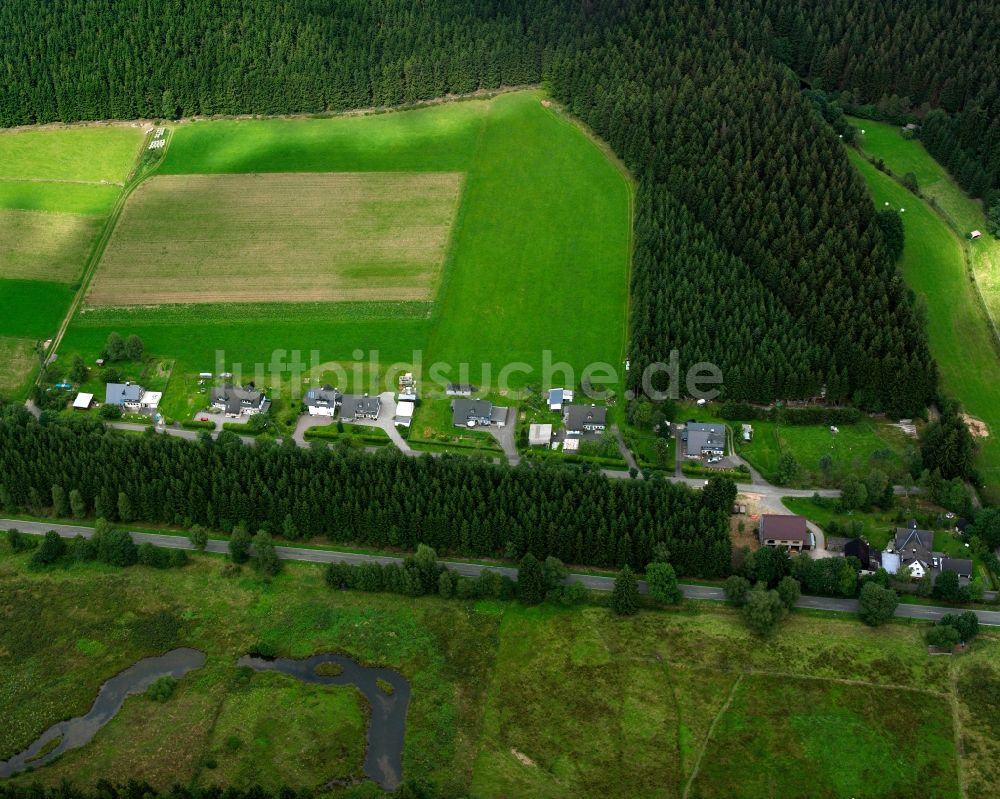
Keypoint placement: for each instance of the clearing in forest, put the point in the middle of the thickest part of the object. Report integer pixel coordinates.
(280, 238)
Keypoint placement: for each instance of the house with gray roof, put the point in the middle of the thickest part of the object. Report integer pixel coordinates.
(459, 390)
(124, 395)
(322, 401)
(235, 401)
(472, 413)
(961, 566)
(580, 419)
(913, 548)
(704, 440)
(359, 407)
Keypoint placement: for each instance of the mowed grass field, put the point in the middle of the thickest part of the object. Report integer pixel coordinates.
(506, 700)
(933, 265)
(57, 186)
(540, 207)
(280, 237)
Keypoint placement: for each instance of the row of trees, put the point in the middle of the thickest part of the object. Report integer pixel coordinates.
(756, 245)
(387, 500)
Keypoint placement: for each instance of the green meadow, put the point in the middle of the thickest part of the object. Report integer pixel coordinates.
(933, 265)
(541, 206)
(855, 450)
(963, 213)
(57, 186)
(506, 701)
(91, 153)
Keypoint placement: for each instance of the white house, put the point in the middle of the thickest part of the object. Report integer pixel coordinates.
(322, 401)
(150, 400)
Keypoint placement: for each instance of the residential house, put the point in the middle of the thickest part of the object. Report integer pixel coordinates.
(704, 440)
(360, 407)
(580, 419)
(459, 390)
(540, 435)
(235, 401)
(913, 548)
(472, 413)
(559, 396)
(124, 395)
(322, 401)
(788, 532)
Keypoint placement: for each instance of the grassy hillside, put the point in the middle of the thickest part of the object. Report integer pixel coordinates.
(537, 257)
(963, 213)
(934, 266)
(507, 701)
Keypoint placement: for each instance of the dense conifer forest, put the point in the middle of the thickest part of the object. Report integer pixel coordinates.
(456, 505)
(756, 245)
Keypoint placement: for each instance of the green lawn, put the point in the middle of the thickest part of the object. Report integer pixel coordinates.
(32, 308)
(67, 198)
(960, 340)
(856, 449)
(507, 701)
(541, 205)
(95, 154)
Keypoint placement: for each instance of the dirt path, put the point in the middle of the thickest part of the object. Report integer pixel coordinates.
(708, 736)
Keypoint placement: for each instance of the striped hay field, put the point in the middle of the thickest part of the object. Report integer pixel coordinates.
(304, 237)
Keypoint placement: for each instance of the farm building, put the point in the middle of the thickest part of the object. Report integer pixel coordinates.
(540, 435)
(705, 440)
(151, 400)
(322, 401)
(459, 390)
(558, 396)
(83, 401)
(124, 395)
(355, 407)
(235, 401)
(472, 413)
(582, 419)
(788, 532)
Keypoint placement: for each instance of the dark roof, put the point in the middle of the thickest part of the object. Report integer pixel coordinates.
(354, 405)
(322, 397)
(460, 388)
(701, 436)
(235, 399)
(784, 528)
(858, 548)
(464, 411)
(957, 565)
(912, 544)
(580, 416)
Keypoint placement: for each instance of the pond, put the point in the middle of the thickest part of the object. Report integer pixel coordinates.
(387, 692)
(76, 732)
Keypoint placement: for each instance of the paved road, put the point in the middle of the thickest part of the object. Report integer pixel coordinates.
(505, 437)
(625, 452)
(591, 581)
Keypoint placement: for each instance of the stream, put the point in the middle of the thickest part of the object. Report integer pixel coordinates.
(387, 725)
(73, 733)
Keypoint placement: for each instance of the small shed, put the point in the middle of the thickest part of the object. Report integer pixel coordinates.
(976, 234)
(83, 401)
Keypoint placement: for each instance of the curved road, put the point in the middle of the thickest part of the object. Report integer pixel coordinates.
(593, 582)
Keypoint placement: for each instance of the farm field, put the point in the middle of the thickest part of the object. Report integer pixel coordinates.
(960, 340)
(279, 238)
(540, 204)
(856, 449)
(57, 186)
(963, 212)
(507, 700)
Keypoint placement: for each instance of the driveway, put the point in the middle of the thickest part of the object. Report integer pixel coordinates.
(506, 437)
